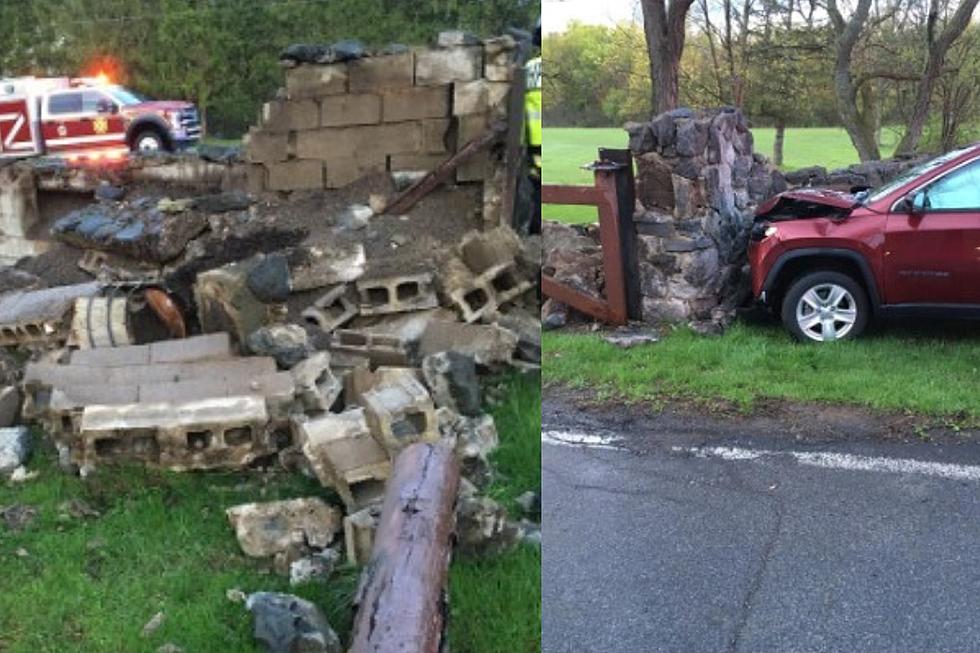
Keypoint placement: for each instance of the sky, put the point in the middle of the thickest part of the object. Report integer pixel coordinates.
(556, 14)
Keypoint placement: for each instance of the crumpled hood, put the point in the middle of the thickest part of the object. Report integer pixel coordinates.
(807, 203)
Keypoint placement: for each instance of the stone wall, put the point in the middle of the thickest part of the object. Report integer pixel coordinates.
(869, 173)
(698, 182)
(406, 109)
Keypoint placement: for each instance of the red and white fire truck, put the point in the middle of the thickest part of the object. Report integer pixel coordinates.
(88, 119)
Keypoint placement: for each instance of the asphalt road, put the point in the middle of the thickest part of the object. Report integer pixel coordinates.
(691, 534)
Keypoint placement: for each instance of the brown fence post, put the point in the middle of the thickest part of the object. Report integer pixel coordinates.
(626, 198)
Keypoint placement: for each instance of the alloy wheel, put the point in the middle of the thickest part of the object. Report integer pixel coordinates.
(826, 312)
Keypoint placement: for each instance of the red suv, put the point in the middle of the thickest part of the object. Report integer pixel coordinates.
(829, 261)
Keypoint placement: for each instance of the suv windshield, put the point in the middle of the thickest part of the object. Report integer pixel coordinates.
(123, 96)
(910, 174)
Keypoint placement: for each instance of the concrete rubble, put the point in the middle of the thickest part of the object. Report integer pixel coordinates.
(210, 311)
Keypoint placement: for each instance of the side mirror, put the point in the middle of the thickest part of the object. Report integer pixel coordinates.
(914, 202)
(105, 106)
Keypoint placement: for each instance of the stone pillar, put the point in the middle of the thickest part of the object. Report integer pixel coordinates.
(698, 182)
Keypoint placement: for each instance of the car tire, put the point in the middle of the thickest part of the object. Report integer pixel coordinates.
(825, 306)
(148, 141)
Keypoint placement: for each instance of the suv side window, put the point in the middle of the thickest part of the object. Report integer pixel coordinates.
(63, 103)
(959, 190)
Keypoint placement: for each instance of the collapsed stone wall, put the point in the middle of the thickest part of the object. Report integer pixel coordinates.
(698, 182)
(400, 110)
(868, 173)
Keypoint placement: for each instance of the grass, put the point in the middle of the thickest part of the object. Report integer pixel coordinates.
(567, 149)
(924, 370)
(162, 543)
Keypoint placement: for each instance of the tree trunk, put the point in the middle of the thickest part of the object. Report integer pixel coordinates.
(848, 33)
(401, 597)
(663, 27)
(777, 144)
(937, 49)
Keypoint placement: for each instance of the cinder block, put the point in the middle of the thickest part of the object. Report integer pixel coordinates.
(296, 175)
(274, 117)
(359, 146)
(347, 172)
(398, 294)
(112, 356)
(266, 147)
(433, 67)
(472, 295)
(315, 385)
(435, 134)
(500, 67)
(498, 98)
(482, 250)
(359, 529)
(415, 161)
(470, 97)
(320, 264)
(416, 103)
(202, 434)
(345, 456)
(257, 177)
(332, 310)
(314, 81)
(471, 127)
(345, 110)
(399, 411)
(206, 347)
(303, 114)
(378, 349)
(373, 74)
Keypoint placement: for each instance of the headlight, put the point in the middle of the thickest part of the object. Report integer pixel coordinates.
(770, 231)
(761, 231)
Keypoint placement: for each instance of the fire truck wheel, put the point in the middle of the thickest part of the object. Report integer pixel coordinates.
(148, 140)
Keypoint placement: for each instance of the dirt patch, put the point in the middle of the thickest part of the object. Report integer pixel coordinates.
(771, 418)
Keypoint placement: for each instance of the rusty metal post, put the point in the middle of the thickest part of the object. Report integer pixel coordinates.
(626, 198)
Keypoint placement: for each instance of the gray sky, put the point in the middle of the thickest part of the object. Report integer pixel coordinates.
(556, 14)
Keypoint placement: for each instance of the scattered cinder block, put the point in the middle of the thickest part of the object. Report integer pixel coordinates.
(416, 103)
(472, 295)
(347, 110)
(434, 67)
(345, 456)
(212, 346)
(482, 250)
(112, 356)
(316, 387)
(332, 310)
(296, 175)
(36, 316)
(378, 349)
(372, 74)
(316, 81)
(323, 264)
(487, 343)
(399, 411)
(202, 434)
(398, 294)
(359, 529)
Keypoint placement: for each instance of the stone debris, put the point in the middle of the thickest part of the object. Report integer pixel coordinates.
(15, 446)
(216, 311)
(153, 624)
(18, 516)
(483, 528)
(266, 529)
(288, 624)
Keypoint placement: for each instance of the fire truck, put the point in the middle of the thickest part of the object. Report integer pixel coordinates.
(88, 119)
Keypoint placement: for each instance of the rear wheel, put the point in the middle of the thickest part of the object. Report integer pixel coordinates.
(149, 141)
(824, 307)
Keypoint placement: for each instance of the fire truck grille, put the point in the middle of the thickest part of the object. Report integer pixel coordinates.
(190, 123)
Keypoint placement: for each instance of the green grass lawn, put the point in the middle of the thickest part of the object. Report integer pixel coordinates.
(162, 543)
(566, 149)
(924, 369)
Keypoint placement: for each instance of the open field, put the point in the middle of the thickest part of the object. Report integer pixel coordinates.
(161, 542)
(567, 149)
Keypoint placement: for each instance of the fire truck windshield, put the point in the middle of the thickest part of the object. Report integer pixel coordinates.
(124, 96)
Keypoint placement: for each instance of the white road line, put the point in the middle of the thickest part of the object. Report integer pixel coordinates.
(577, 439)
(844, 461)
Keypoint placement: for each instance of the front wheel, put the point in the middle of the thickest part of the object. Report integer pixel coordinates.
(825, 306)
(149, 141)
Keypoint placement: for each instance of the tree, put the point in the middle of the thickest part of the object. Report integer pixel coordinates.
(856, 123)
(936, 50)
(664, 28)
